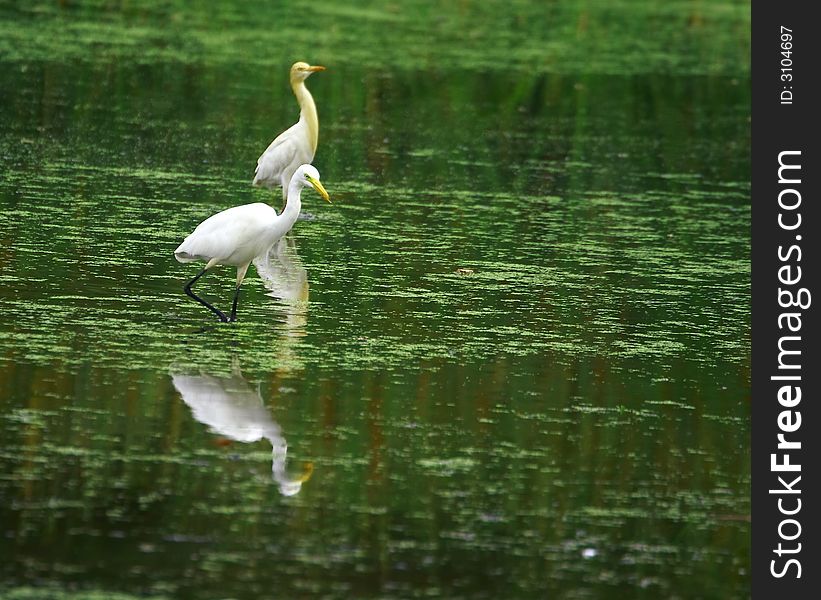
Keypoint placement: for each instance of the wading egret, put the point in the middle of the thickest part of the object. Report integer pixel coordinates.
(238, 235)
(296, 145)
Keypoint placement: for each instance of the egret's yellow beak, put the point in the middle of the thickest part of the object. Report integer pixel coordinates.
(315, 68)
(309, 470)
(318, 187)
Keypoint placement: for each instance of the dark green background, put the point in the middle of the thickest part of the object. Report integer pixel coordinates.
(569, 419)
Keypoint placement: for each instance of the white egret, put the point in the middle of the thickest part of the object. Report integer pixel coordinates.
(297, 144)
(238, 235)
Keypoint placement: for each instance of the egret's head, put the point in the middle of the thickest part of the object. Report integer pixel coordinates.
(309, 176)
(300, 71)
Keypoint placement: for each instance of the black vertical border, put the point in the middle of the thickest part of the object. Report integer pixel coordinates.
(777, 127)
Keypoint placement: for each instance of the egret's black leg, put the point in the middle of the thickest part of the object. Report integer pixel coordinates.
(191, 293)
(233, 316)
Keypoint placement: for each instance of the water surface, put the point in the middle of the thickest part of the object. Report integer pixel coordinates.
(511, 360)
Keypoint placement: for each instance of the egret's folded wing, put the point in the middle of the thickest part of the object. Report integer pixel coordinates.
(224, 233)
(279, 154)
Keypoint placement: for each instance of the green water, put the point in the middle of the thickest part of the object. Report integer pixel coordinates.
(510, 361)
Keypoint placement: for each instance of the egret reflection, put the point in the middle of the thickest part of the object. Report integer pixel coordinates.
(286, 280)
(230, 407)
(284, 276)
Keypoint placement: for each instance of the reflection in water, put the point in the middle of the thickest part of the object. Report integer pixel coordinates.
(230, 407)
(286, 279)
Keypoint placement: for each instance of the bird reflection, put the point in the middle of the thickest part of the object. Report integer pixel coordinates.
(286, 280)
(231, 408)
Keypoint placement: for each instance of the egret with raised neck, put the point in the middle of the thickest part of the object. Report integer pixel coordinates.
(296, 145)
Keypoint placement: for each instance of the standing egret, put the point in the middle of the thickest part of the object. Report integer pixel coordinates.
(297, 144)
(238, 235)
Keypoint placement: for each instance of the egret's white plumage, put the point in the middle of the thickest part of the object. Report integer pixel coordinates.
(238, 235)
(235, 236)
(297, 144)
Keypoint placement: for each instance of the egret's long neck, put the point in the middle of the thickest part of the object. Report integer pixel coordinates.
(307, 110)
(293, 204)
